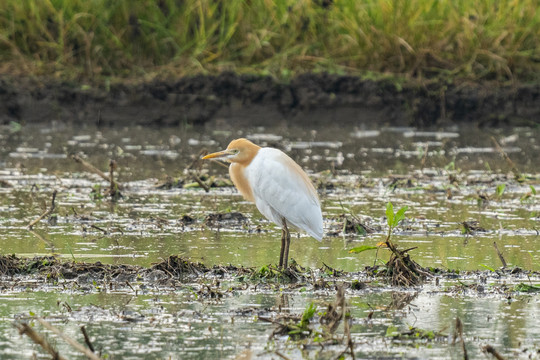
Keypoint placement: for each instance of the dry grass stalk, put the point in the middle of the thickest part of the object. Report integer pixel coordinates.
(46, 213)
(500, 254)
(491, 350)
(95, 170)
(26, 329)
(517, 174)
(89, 354)
(404, 271)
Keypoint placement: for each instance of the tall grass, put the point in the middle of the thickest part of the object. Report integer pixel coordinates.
(485, 39)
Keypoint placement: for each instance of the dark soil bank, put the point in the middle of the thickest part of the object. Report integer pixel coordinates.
(257, 100)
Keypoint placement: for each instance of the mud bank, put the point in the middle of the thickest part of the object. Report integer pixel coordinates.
(176, 270)
(261, 101)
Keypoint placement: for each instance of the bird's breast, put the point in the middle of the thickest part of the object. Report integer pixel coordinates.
(237, 173)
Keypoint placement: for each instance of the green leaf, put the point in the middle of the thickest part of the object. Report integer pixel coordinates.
(487, 267)
(360, 230)
(389, 214)
(362, 248)
(392, 331)
(500, 189)
(533, 190)
(400, 215)
(522, 287)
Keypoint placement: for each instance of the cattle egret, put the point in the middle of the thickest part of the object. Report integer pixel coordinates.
(279, 187)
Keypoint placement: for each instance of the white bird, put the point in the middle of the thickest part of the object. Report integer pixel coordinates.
(279, 187)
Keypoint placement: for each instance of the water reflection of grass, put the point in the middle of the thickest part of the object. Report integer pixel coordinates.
(488, 39)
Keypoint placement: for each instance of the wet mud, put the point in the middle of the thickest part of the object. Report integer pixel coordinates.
(330, 326)
(314, 99)
(178, 271)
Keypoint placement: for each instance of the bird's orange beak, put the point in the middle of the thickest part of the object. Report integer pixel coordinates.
(218, 154)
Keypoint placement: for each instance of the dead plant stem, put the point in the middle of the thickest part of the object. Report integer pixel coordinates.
(491, 350)
(501, 151)
(87, 339)
(95, 170)
(46, 213)
(38, 339)
(500, 254)
(89, 354)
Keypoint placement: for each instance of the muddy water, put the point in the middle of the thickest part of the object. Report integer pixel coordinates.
(445, 177)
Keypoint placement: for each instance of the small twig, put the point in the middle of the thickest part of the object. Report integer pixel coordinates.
(500, 255)
(195, 169)
(131, 287)
(38, 339)
(98, 228)
(93, 169)
(89, 354)
(219, 163)
(281, 355)
(516, 172)
(46, 213)
(423, 162)
(113, 189)
(201, 183)
(90, 167)
(347, 329)
(87, 339)
(491, 350)
(42, 239)
(458, 331)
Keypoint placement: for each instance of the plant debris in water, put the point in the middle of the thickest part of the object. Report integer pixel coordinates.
(50, 268)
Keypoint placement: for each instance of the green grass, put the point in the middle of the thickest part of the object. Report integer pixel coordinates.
(92, 39)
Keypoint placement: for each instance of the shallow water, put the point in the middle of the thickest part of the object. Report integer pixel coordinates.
(445, 177)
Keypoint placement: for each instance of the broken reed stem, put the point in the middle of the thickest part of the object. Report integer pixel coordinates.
(500, 255)
(201, 183)
(458, 331)
(25, 329)
(87, 339)
(195, 168)
(93, 169)
(46, 213)
(513, 167)
(51, 245)
(219, 163)
(346, 327)
(491, 350)
(89, 354)
(281, 355)
(113, 187)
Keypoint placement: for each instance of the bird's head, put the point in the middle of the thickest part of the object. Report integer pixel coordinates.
(240, 151)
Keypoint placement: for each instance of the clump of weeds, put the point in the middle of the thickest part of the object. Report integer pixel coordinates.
(413, 334)
(293, 273)
(401, 270)
(304, 327)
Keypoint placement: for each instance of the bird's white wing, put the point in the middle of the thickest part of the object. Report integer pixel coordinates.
(283, 190)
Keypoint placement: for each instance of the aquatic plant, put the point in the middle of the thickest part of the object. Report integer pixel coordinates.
(401, 269)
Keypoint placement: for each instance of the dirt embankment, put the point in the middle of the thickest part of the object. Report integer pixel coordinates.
(248, 99)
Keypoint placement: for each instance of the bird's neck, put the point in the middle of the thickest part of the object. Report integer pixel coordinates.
(238, 177)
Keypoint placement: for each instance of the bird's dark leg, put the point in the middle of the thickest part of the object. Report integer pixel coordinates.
(285, 243)
(282, 252)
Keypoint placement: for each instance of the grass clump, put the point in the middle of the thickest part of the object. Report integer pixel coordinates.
(401, 269)
(78, 39)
